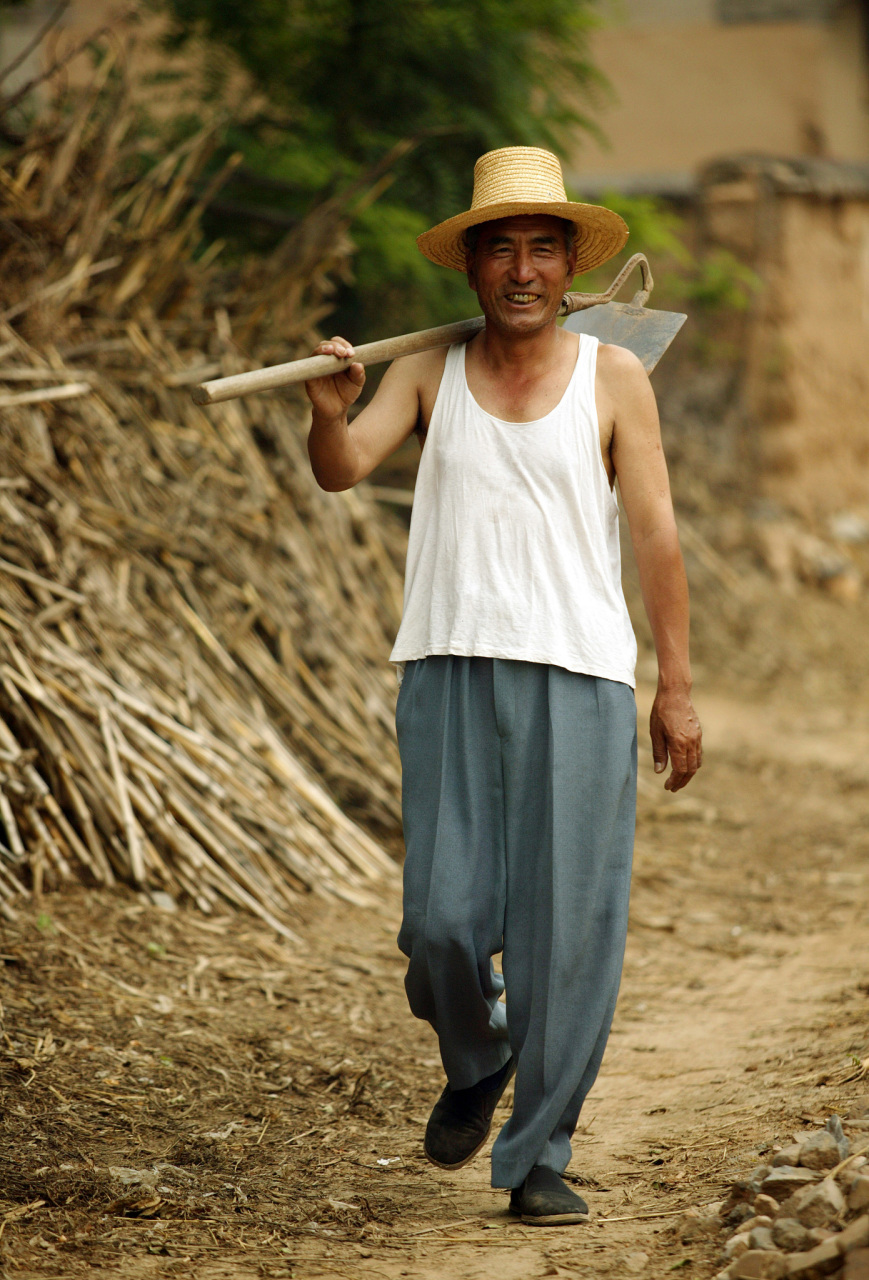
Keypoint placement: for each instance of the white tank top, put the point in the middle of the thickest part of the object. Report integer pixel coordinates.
(514, 540)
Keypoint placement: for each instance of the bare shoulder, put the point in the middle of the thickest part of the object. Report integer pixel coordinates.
(423, 368)
(619, 366)
(623, 387)
(424, 371)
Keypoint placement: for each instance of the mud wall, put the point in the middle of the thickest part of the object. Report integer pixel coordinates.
(814, 342)
(805, 341)
(685, 89)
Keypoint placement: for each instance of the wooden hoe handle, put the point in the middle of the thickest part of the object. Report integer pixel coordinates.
(284, 375)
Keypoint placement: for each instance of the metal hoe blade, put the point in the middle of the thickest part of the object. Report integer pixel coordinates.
(646, 332)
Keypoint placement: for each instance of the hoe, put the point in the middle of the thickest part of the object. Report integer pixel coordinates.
(646, 332)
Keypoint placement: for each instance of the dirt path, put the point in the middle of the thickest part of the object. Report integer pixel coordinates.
(272, 1098)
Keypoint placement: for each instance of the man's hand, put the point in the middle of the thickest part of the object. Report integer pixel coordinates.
(342, 453)
(676, 734)
(332, 396)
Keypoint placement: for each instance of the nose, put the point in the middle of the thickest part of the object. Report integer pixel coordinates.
(523, 266)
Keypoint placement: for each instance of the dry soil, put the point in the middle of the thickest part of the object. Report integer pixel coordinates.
(192, 1097)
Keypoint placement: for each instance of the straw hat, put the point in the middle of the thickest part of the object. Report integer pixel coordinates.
(516, 180)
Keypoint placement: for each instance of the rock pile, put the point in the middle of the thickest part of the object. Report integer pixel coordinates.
(804, 1213)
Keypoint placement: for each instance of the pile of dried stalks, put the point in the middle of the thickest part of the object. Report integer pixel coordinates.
(193, 637)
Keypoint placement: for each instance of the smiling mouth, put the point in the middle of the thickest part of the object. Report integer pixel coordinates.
(522, 298)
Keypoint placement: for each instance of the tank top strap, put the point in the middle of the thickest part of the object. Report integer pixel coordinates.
(450, 391)
(581, 410)
(586, 367)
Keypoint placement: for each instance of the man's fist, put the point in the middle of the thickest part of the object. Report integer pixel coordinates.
(675, 732)
(332, 396)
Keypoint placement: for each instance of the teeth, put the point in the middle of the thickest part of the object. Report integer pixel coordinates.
(522, 297)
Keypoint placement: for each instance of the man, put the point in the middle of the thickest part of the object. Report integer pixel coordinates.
(516, 717)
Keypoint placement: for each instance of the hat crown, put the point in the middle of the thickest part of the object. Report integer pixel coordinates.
(517, 174)
(514, 182)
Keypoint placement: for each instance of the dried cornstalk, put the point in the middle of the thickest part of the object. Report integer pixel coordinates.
(194, 695)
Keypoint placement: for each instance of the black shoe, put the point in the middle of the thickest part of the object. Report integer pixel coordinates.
(544, 1200)
(460, 1122)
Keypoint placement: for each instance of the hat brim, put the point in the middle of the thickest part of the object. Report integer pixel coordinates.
(600, 233)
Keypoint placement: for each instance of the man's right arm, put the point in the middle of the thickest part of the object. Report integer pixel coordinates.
(343, 453)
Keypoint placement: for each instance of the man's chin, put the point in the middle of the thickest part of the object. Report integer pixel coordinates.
(521, 322)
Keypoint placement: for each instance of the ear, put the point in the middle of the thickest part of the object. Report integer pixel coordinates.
(571, 264)
(469, 267)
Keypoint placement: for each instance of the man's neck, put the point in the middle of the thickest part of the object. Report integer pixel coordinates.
(522, 354)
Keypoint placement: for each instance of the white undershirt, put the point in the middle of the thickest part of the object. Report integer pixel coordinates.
(514, 542)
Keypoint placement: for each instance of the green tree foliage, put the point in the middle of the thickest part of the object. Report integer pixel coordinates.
(340, 82)
(708, 281)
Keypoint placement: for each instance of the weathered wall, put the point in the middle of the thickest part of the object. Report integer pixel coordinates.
(688, 87)
(812, 339)
(806, 341)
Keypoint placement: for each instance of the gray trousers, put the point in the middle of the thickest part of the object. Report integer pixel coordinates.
(518, 795)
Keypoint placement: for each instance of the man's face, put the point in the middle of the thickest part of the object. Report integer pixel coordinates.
(519, 271)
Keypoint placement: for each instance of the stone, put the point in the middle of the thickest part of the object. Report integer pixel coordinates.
(817, 1206)
(824, 1258)
(695, 1223)
(854, 1236)
(785, 1180)
(757, 1175)
(846, 1176)
(859, 1108)
(818, 1235)
(740, 1193)
(834, 1128)
(790, 1235)
(788, 1155)
(687, 1221)
(736, 1246)
(766, 1206)
(759, 1264)
(787, 1208)
(635, 1263)
(760, 1238)
(857, 1265)
(738, 1205)
(739, 1213)
(820, 1151)
(858, 1193)
(759, 1220)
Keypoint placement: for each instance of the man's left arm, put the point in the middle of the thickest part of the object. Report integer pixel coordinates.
(639, 463)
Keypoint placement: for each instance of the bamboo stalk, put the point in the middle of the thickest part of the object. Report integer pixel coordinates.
(76, 276)
(17, 374)
(16, 844)
(37, 579)
(134, 838)
(49, 844)
(195, 716)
